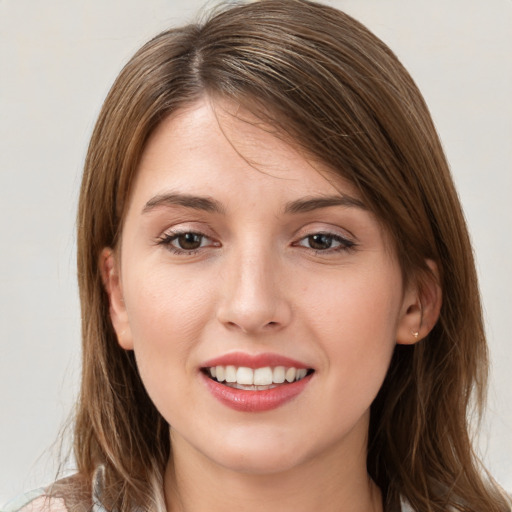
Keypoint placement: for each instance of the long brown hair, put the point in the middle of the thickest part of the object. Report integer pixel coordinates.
(340, 94)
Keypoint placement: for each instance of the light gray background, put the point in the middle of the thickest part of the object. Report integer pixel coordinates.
(57, 60)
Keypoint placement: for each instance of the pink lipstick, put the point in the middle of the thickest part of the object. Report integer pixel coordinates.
(255, 383)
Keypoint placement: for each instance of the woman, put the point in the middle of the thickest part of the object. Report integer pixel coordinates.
(279, 301)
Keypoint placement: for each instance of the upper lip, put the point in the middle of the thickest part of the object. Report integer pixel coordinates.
(254, 361)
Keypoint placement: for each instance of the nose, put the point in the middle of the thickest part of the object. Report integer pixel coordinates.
(253, 296)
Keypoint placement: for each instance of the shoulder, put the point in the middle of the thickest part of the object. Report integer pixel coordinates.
(70, 494)
(36, 501)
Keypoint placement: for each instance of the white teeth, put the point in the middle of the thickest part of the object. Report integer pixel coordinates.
(259, 378)
(230, 374)
(278, 374)
(263, 376)
(290, 374)
(250, 388)
(301, 373)
(220, 373)
(245, 376)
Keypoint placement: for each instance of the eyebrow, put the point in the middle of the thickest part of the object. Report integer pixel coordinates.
(206, 204)
(211, 205)
(315, 203)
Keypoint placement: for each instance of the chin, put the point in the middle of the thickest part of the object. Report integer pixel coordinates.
(257, 463)
(259, 455)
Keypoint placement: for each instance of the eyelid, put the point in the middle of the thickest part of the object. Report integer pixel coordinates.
(325, 228)
(169, 235)
(199, 228)
(346, 241)
(344, 244)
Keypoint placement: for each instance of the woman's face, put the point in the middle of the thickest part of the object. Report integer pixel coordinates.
(240, 259)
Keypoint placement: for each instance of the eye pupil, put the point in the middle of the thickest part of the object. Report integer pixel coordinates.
(320, 241)
(189, 241)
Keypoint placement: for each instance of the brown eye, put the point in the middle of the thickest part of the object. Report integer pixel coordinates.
(188, 241)
(326, 242)
(320, 242)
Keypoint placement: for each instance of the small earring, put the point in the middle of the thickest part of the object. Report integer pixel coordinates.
(415, 334)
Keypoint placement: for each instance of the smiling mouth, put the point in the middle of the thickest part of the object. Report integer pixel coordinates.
(255, 379)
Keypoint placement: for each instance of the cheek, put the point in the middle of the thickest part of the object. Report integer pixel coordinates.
(164, 302)
(357, 323)
(357, 307)
(167, 312)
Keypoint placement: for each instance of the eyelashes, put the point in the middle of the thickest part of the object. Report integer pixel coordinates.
(189, 242)
(324, 242)
(186, 242)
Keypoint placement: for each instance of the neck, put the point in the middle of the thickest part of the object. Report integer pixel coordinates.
(331, 483)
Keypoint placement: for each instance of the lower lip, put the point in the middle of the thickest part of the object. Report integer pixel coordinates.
(255, 401)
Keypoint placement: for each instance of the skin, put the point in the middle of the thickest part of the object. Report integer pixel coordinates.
(257, 283)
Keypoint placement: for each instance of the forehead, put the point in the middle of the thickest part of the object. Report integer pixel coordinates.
(221, 146)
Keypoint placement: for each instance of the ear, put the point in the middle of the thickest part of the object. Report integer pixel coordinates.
(420, 308)
(110, 274)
